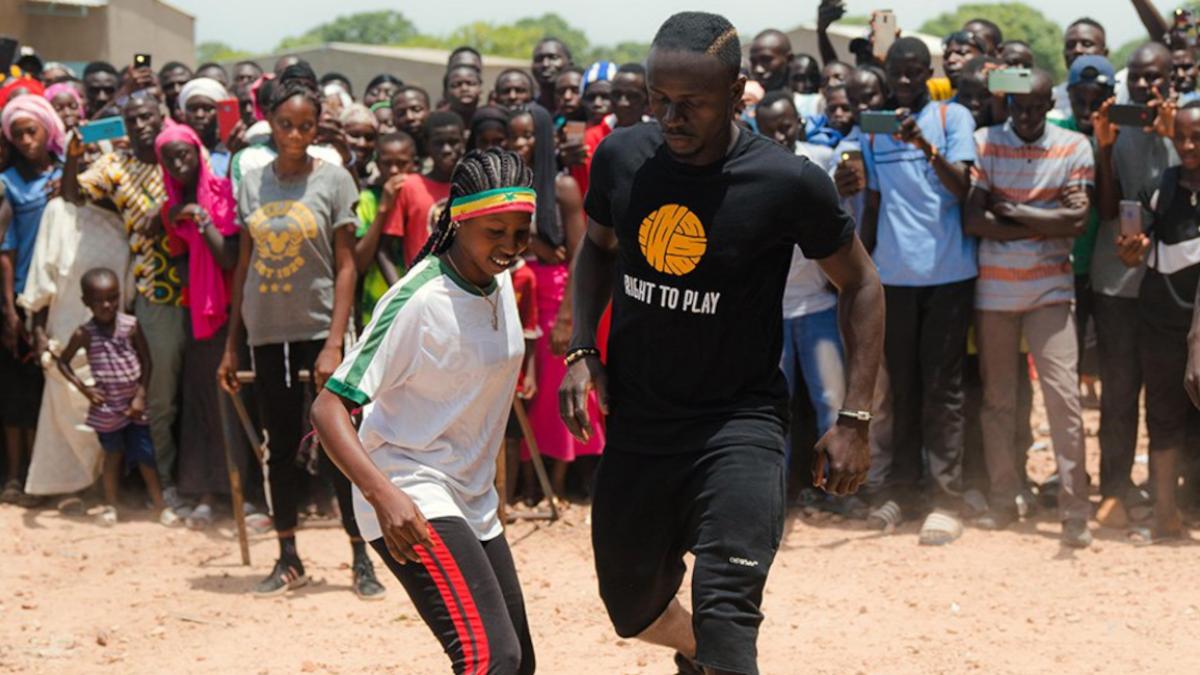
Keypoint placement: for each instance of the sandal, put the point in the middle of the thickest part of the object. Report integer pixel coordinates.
(200, 517)
(12, 492)
(70, 506)
(940, 528)
(168, 517)
(107, 516)
(886, 517)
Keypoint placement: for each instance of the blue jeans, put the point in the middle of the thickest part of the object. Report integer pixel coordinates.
(813, 345)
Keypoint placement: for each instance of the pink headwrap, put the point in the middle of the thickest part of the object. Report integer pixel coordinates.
(259, 113)
(66, 88)
(208, 287)
(39, 110)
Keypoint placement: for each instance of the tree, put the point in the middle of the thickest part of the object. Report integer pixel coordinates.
(620, 53)
(370, 28)
(515, 40)
(1120, 56)
(217, 52)
(1018, 21)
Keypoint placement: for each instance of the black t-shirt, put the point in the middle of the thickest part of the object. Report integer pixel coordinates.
(702, 261)
(1173, 265)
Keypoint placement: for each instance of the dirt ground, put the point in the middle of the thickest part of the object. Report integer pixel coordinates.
(142, 599)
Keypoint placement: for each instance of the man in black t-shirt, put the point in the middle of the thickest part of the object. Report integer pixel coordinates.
(692, 223)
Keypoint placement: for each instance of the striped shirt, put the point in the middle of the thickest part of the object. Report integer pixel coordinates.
(1027, 273)
(117, 371)
(136, 189)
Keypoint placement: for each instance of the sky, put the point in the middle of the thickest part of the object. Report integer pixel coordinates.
(258, 25)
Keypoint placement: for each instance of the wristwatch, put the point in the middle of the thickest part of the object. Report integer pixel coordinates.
(856, 415)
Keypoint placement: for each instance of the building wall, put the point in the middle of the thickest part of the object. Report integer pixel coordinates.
(69, 38)
(12, 20)
(152, 27)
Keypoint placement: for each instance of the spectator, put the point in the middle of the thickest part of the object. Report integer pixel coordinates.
(770, 58)
(973, 93)
(198, 100)
(550, 58)
(1129, 165)
(1016, 54)
(804, 76)
(989, 33)
(411, 108)
(917, 181)
(245, 73)
(957, 49)
(171, 78)
(100, 82)
(514, 88)
(213, 71)
(1084, 37)
(361, 129)
(463, 89)
(1029, 198)
(382, 87)
(568, 95)
(395, 157)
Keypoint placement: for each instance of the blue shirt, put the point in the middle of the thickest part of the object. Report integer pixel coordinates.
(28, 200)
(920, 241)
(218, 161)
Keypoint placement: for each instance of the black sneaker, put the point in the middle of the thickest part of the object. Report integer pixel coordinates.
(996, 519)
(285, 577)
(366, 586)
(1075, 533)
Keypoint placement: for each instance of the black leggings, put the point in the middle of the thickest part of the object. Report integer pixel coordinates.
(283, 403)
(467, 592)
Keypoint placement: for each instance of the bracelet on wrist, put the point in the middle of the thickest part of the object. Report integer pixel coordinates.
(862, 416)
(579, 354)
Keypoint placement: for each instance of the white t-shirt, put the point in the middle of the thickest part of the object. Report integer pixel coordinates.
(807, 291)
(437, 382)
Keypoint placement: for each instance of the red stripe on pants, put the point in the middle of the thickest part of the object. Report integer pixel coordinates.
(463, 613)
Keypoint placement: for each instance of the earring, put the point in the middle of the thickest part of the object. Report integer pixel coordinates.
(454, 225)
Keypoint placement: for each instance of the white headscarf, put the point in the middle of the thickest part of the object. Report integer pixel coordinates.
(202, 86)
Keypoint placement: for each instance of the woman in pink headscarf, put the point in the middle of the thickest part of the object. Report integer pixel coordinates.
(199, 216)
(67, 102)
(33, 136)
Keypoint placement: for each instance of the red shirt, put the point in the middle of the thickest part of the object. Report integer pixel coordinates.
(418, 206)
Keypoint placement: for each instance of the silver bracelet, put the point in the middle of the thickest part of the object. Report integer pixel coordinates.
(856, 415)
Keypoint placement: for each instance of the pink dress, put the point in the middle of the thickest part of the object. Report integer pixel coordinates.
(553, 439)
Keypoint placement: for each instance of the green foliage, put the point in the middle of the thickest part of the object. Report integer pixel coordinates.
(1018, 20)
(1120, 56)
(371, 28)
(620, 53)
(218, 52)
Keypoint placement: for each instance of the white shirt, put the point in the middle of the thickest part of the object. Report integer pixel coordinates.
(437, 382)
(807, 291)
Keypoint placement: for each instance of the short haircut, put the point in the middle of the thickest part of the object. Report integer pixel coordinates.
(300, 70)
(461, 66)
(252, 64)
(576, 70)
(384, 78)
(776, 33)
(633, 69)
(100, 67)
(333, 77)
(910, 47)
(702, 33)
(460, 50)
(515, 71)
(1089, 21)
(395, 137)
(775, 96)
(209, 64)
(559, 42)
(412, 88)
(94, 275)
(172, 65)
(996, 35)
(442, 118)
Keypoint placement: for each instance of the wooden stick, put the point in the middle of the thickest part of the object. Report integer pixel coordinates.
(535, 456)
(235, 484)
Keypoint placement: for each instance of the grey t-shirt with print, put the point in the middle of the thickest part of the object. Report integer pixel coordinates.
(1139, 159)
(288, 295)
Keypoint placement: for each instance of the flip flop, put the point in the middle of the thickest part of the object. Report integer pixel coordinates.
(886, 517)
(940, 528)
(70, 506)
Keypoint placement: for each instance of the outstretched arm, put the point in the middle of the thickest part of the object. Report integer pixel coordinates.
(1156, 26)
(591, 290)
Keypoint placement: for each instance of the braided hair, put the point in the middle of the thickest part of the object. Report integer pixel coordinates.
(479, 170)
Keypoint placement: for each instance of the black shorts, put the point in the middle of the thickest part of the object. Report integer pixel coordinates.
(726, 506)
(1171, 419)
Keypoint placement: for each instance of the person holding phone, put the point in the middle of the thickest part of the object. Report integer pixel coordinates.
(198, 100)
(171, 79)
(1129, 164)
(917, 179)
(1168, 249)
(1030, 197)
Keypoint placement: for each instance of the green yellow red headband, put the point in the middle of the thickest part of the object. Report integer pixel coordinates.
(488, 202)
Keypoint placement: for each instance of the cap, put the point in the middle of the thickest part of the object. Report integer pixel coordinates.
(1092, 69)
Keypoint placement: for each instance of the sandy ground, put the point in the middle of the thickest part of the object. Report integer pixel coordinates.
(142, 599)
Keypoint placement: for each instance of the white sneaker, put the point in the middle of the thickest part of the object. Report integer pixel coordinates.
(107, 516)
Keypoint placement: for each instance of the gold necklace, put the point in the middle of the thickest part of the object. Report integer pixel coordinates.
(487, 297)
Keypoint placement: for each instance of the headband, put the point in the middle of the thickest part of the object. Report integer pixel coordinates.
(380, 105)
(488, 202)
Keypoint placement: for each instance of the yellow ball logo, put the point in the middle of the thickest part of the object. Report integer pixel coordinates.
(672, 239)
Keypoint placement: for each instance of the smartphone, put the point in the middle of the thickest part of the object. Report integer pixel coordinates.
(8, 54)
(883, 32)
(852, 156)
(1132, 115)
(574, 132)
(228, 115)
(141, 60)
(1010, 81)
(879, 122)
(102, 130)
(1131, 217)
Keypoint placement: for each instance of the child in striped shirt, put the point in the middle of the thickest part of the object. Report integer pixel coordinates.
(119, 359)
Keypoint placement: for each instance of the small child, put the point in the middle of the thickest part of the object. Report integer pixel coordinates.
(119, 359)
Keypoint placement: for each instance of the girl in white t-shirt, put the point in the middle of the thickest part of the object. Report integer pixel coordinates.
(435, 372)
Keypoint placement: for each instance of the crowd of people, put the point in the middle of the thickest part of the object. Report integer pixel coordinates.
(333, 252)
